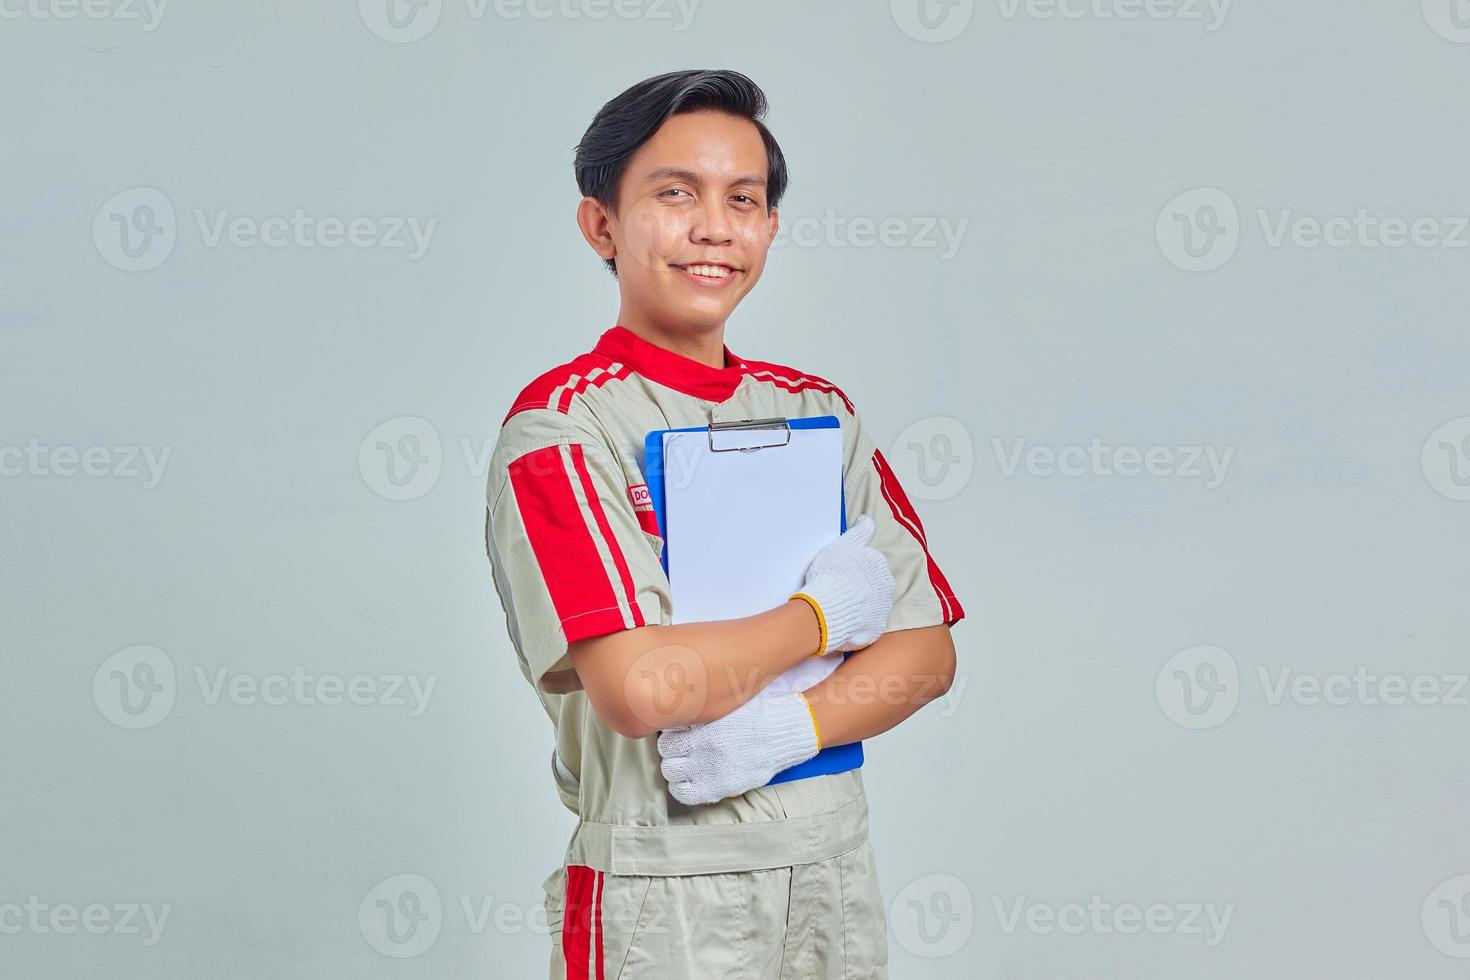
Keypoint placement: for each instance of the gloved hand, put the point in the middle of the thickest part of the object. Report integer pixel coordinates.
(708, 762)
(850, 586)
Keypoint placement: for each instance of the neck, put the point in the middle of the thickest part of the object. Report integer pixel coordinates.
(703, 344)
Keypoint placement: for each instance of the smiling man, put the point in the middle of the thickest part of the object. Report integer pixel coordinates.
(684, 862)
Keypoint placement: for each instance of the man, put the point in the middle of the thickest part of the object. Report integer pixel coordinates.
(684, 863)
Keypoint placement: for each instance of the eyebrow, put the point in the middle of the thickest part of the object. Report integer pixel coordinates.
(678, 173)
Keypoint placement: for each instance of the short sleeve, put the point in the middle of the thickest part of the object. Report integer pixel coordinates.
(921, 595)
(571, 557)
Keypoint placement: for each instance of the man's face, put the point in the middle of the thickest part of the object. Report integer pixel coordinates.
(692, 230)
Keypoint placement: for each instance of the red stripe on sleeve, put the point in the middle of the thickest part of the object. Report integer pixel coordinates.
(904, 513)
(648, 520)
(576, 923)
(562, 542)
(579, 460)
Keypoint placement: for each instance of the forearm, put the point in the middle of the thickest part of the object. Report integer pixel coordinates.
(657, 677)
(735, 658)
(883, 684)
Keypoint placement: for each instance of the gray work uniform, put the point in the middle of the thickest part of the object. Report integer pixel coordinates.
(775, 882)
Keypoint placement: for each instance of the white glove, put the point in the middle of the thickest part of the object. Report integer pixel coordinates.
(741, 751)
(850, 587)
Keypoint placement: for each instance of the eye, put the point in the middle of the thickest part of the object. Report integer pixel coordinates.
(673, 190)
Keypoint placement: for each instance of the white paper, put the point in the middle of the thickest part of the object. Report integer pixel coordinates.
(744, 525)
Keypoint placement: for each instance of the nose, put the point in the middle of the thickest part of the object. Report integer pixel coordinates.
(712, 223)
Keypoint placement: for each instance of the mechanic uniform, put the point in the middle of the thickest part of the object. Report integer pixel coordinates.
(778, 882)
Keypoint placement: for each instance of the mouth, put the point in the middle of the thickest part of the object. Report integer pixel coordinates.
(708, 274)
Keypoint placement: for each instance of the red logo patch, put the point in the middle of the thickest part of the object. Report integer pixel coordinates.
(639, 495)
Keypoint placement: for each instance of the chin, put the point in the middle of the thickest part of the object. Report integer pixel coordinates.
(711, 313)
(700, 318)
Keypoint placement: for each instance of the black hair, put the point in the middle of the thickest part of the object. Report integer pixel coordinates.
(631, 119)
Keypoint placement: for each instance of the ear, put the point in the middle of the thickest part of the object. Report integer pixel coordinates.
(596, 225)
(774, 226)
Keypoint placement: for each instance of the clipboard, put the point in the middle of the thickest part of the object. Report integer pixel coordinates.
(771, 435)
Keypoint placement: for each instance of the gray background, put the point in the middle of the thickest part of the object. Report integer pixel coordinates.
(1056, 771)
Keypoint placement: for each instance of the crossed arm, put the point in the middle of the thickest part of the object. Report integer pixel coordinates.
(883, 683)
(643, 680)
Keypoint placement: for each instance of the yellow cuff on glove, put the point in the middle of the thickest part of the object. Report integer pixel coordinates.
(821, 621)
(816, 729)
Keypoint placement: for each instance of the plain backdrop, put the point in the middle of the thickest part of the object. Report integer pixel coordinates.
(209, 664)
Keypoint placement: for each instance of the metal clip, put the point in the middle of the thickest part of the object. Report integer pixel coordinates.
(775, 424)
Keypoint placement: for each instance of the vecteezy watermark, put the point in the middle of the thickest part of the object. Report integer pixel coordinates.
(897, 688)
(401, 458)
(1450, 19)
(833, 230)
(671, 684)
(933, 917)
(934, 457)
(888, 688)
(400, 21)
(148, 13)
(302, 688)
(406, 21)
(1445, 916)
(305, 231)
(1200, 230)
(38, 918)
(1100, 918)
(1363, 229)
(1363, 686)
(481, 913)
(1200, 687)
(402, 916)
(667, 685)
(1210, 13)
(932, 21)
(1445, 459)
(137, 229)
(1209, 463)
(115, 462)
(137, 687)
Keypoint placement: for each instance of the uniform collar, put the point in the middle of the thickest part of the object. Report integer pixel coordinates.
(671, 369)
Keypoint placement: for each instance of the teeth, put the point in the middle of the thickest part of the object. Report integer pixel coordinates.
(712, 271)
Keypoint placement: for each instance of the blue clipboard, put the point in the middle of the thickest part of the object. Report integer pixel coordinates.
(834, 758)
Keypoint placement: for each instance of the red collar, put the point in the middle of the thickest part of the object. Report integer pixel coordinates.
(670, 369)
